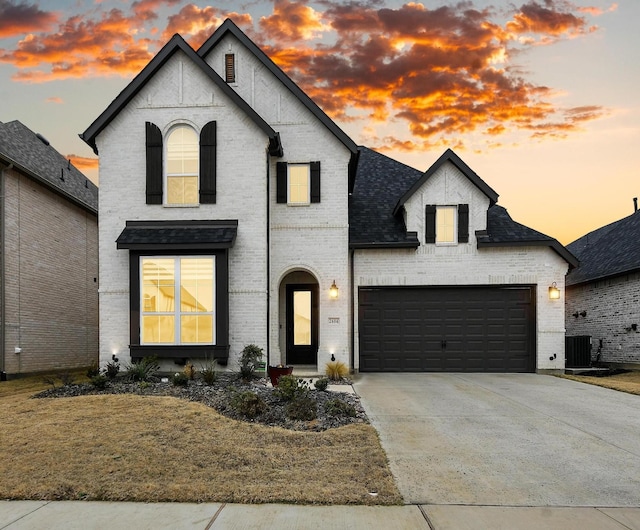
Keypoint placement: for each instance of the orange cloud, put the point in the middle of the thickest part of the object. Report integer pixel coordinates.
(83, 163)
(292, 21)
(54, 99)
(18, 19)
(548, 21)
(442, 71)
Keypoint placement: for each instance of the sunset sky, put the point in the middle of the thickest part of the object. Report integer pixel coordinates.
(540, 97)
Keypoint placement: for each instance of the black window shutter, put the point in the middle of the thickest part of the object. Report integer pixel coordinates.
(463, 223)
(154, 163)
(430, 224)
(208, 163)
(281, 183)
(315, 181)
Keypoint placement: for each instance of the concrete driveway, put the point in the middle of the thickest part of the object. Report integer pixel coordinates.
(506, 439)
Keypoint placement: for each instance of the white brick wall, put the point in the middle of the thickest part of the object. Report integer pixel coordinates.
(611, 306)
(464, 264)
(311, 238)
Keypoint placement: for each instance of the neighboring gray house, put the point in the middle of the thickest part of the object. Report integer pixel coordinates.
(603, 292)
(48, 257)
(234, 211)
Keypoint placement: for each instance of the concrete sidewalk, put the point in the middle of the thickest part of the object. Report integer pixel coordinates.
(71, 515)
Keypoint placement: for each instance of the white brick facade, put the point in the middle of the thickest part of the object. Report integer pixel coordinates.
(466, 265)
(280, 245)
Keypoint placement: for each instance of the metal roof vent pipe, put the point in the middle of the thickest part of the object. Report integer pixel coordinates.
(635, 204)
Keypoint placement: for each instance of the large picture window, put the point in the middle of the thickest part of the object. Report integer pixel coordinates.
(177, 300)
(182, 166)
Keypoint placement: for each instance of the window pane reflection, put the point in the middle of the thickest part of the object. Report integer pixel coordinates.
(302, 318)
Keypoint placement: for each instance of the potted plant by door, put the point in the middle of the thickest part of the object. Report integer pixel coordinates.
(275, 372)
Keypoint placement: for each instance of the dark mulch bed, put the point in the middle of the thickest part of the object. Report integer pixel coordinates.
(219, 396)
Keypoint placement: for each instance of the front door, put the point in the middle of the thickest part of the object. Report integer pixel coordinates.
(302, 324)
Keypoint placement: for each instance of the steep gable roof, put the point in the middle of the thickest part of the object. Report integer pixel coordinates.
(376, 220)
(449, 156)
(379, 182)
(32, 155)
(228, 26)
(609, 251)
(175, 44)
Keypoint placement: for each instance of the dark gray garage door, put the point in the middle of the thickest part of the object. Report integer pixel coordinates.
(450, 329)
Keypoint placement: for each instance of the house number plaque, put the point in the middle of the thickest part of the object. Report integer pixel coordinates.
(334, 320)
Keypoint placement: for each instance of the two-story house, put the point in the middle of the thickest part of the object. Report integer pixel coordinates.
(48, 258)
(234, 211)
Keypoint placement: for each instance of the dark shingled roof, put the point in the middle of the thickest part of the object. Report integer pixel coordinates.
(502, 231)
(21, 147)
(611, 250)
(152, 235)
(382, 182)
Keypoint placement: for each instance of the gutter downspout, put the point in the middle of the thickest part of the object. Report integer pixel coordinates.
(268, 263)
(3, 374)
(352, 357)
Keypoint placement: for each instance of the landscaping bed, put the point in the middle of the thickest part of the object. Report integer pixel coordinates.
(226, 388)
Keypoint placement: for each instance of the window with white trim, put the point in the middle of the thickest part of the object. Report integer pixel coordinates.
(177, 300)
(182, 168)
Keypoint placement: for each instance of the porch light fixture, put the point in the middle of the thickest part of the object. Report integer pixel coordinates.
(554, 292)
(333, 291)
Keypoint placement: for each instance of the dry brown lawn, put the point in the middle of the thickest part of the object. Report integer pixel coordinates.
(152, 449)
(627, 382)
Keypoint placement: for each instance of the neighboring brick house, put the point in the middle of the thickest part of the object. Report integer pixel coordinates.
(48, 257)
(603, 292)
(235, 212)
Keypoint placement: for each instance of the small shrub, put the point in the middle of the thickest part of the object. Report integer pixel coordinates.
(303, 407)
(209, 376)
(248, 403)
(289, 387)
(111, 369)
(180, 379)
(337, 407)
(66, 378)
(321, 384)
(190, 371)
(99, 381)
(336, 370)
(249, 358)
(49, 380)
(93, 370)
(143, 370)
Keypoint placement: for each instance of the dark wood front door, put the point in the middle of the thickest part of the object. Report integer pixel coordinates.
(302, 324)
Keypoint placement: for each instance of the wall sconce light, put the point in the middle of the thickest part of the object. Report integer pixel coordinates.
(576, 314)
(634, 327)
(583, 313)
(333, 291)
(554, 292)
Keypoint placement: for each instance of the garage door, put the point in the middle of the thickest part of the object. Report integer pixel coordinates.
(451, 329)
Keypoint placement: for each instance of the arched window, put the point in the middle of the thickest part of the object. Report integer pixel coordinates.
(182, 166)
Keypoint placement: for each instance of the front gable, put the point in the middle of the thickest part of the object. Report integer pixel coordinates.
(448, 192)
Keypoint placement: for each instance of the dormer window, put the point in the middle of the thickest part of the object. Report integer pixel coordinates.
(230, 67)
(447, 224)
